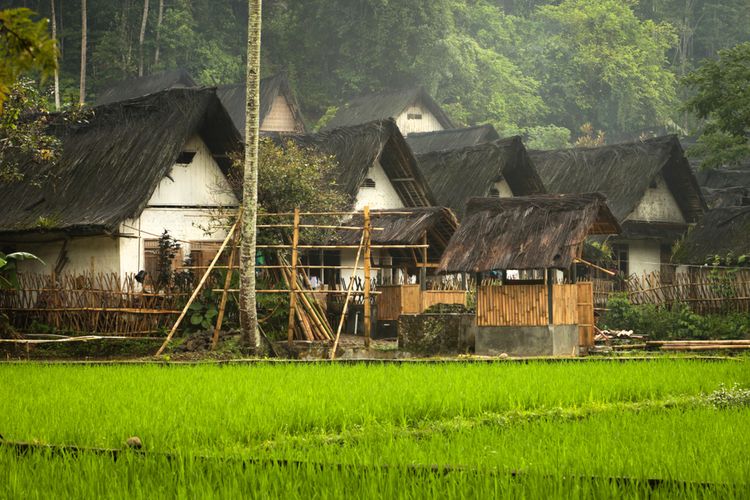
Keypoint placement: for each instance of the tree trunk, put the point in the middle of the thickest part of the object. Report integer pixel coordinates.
(82, 88)
(158, 28)
(142, 37)
(248, 312)
(57, 70)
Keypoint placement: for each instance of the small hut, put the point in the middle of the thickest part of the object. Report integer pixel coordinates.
(519, 317)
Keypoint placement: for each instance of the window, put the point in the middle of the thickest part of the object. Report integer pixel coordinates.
(414, 116)
(368, 183)
(185, 157)
(494, 193)
(621, 258)
(653, 184)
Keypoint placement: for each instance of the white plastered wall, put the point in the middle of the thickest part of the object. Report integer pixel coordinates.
(99, 254)
(428, 122)
(280, 117)
(184, 205)
(644, 255)
(503, 189)
(657, 205)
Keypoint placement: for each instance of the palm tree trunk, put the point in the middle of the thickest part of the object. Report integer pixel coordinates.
(248, 312)
(82, 88)
(142, 37)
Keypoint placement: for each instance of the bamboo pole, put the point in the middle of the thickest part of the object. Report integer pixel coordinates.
(366, 240)
(225, 293)
(346, 300)
(197, 289)
(293, 279)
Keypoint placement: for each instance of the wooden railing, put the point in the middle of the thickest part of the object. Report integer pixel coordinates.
(395, 300)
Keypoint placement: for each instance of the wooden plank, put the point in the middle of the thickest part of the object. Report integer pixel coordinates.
(367, 243)
(512, 305)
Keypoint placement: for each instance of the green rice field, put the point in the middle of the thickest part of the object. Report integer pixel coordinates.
(593, 429)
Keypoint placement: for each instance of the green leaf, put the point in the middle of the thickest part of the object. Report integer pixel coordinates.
(196, 319)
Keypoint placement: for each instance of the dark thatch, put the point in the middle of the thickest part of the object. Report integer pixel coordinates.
(530, 232)
(145, 85)
(457, 138)
(721, 231)
(233, 97)
(357, 148)
(111, 165)
(727, 197)
(623, 172)
(384, 105)
(457, 175)
(406, 226)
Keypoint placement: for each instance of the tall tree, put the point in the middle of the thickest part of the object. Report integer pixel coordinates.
(57, 71)
(159, 19)
(248, 312)
(142, 37)
(84, 41)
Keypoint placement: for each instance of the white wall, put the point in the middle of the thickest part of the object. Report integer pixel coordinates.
(503, 188)
(658, 204)
(382, 196)
(644, 256)
(199, 183)
(85, 254)
(428, 123)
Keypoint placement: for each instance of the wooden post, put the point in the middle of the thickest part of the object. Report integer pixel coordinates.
(423, 270)
(548, 279)
(293, 280)
(346, 299)
(366, 234)
(225, 292)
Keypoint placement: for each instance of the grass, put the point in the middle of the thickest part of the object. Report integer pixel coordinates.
(566, 427)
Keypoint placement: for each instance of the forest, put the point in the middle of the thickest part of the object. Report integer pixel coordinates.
(539, 68)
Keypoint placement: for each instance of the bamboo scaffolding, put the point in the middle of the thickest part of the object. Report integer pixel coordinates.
(346, 301)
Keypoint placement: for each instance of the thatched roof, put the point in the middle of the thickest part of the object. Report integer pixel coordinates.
(457, 175)
(111, 165)
(623, 173)
(145, 85)
(722, 230)
(233, 97)
(456, 138)
(384, 105)
(406, 226)
(726, 197)
(357, 148)
(530, 232)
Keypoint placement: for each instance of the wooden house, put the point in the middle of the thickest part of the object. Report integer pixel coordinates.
(543, 232)
(279, 110)
(450, 139)
(135, 169)
(413, 110)
(500, 168)
(649, 186)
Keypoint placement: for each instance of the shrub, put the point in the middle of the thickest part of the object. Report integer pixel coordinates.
(732, 397)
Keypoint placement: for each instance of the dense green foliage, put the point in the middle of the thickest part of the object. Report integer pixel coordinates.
(678, 322)
(550, 421)
(722, 97)
(538, 67)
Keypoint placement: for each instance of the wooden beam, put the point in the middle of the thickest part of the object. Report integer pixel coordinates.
(293, 280)
(367, 275)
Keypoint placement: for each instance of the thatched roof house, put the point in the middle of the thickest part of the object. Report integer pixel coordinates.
(649, 186)
(720, 232)
(134, 169)
(279, 110)
(497, 168)
(457, 138)
(413, 109)
(529, 232)
(373, 158)
(111, 165)
(146, 85)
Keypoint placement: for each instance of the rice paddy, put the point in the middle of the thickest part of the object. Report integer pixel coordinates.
(584, 429)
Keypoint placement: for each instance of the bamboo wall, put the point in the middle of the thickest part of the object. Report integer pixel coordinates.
(395, 300)
(102, 303)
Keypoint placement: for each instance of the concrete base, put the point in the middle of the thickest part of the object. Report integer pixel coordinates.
(523, 341)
